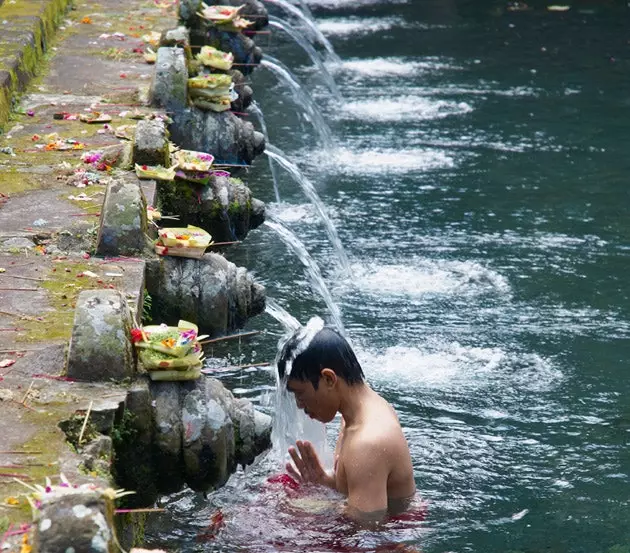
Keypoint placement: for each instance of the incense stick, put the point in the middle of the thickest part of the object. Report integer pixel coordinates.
(27, 392)
(230, 337)
(20, 290)
(87, 416)
(211, 370)
(24, 277)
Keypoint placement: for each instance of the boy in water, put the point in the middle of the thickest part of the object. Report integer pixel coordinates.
(372, 464)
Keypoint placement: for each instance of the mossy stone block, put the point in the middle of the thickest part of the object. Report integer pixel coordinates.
(123, 227)
(100, 348)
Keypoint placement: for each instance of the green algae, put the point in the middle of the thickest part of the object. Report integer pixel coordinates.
(75, 434)
(95, 191)
(14, 181)
(63, 288)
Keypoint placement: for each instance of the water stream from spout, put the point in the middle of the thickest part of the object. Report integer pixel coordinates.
(290, 423)
(307, 11)
(313, 196)
(302, 41)
(310, 24)
(253, 108)
(314, 274)
(303, 98)
(280, 314)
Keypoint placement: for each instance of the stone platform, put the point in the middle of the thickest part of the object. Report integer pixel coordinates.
(48, 224)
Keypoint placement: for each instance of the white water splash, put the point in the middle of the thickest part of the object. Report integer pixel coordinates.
(418, 277)
(380, 67)
(359, 26)
(403, 108)
(389, 161)
(454, 366)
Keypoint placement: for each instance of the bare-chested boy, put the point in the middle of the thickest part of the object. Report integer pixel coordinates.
(372, 462)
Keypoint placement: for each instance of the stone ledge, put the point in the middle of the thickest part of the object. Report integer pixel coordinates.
(29, 28)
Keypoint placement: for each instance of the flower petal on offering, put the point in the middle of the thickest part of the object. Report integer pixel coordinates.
(212, 57)
(152, 38)
(218, 14)
(188, 160)
(150, 56)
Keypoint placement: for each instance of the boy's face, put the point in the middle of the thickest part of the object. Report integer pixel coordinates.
(319, 404)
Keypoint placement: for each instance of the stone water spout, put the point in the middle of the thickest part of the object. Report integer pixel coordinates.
(225, 208)
(202, 432)
(211, 292)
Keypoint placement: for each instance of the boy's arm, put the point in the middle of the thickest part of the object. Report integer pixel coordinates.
(367, 472)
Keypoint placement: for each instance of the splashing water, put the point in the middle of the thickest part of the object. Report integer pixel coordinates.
(288, 321)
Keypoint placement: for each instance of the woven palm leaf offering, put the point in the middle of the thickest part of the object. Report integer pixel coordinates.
(214, 91)
(182, 242)
(217, 59)
(155, 172)
(170, 352)
(193, 166)
(226, 18)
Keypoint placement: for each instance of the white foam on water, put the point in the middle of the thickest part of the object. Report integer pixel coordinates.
(418, 277)
(389, 161)
(453, 366)
(380, 67)
(481, 89)
(359, 26)
(402, 108)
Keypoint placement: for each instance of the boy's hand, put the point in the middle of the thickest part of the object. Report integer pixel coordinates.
(307, 467)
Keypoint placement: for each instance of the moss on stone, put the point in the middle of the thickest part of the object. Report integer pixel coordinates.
(47, 16)
(132, 467)
(72, 429)
(48, 446)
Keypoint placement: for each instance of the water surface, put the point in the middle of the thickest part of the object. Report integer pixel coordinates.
(479, 185)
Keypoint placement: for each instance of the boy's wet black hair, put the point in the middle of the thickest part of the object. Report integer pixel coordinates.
(303, 357)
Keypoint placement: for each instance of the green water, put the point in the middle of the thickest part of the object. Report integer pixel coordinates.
(480, 187)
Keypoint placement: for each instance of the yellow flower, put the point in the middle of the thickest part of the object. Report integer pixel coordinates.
(26, 548)
(12, 501)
